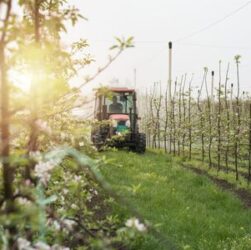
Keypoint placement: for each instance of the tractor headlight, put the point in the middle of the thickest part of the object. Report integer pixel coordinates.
(114, 123)
(128, 123)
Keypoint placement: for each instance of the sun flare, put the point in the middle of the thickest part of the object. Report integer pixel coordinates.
(22, 80)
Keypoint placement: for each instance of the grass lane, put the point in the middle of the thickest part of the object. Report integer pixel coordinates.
(189, 209)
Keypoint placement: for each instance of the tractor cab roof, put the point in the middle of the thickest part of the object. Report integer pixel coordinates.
(122, 90)
(104, 91)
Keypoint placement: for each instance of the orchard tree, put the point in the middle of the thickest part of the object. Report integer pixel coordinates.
(47, 185)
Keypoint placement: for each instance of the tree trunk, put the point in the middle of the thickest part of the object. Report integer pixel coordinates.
(249, 145)
(5, 133)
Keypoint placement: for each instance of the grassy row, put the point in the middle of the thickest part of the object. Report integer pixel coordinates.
(189, 210)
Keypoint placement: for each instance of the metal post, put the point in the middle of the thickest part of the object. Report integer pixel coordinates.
(212, 91)
(170, 75)
(135, 77)
(169, 108)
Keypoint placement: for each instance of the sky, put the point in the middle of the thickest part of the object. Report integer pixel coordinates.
(153, 24)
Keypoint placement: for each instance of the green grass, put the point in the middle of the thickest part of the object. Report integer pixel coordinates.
(189, 209)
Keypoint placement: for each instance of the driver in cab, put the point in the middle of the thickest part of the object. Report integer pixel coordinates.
(115, 107)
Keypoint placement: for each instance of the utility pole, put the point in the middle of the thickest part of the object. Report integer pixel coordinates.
(170, 75)
(135, 77)
(212, 91)
(169, 101)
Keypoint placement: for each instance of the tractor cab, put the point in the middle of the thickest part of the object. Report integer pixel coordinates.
(117, 109)
(119, 106)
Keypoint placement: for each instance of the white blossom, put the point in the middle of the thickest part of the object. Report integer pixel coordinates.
(74, 206)
(77, 177)
(42, 246)
(56, 225)
(65, 191)
(57, 247)
(43, 126)
(135, 223)
(89, 197)
(23, 201)
(27, 183)
(24, 244)
(36, 155)
(69, 224)
(93, 191)
(72, 139)
(62, 199)
(63, 135)
(43, 169)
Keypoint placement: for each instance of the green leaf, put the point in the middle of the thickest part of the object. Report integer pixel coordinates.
(114, 47)
(48, 200)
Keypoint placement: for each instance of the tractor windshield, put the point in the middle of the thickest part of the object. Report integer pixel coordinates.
(119, 103)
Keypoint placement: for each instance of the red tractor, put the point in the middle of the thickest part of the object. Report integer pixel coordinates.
(117, 126)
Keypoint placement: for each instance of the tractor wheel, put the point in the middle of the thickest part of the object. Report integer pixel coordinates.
(97, 142)
(140, 146)
(99, 147)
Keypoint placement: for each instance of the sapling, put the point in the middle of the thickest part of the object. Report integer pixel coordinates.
(144, 109)
(209, 104)
(189, 119)
(152, 120)
(227, 119)
(147, 122)
(169, 110)
(184, 115)
(166, 119)
(201, 115)
(231, 98)
(237, 131)
(209, 121)
(179, 114)
(219, 121)
(173, 117)
(158, 107)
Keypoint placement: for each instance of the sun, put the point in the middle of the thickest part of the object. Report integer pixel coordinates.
(22, 80)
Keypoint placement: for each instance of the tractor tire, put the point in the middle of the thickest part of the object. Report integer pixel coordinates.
(140, 146)
(98, 142)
